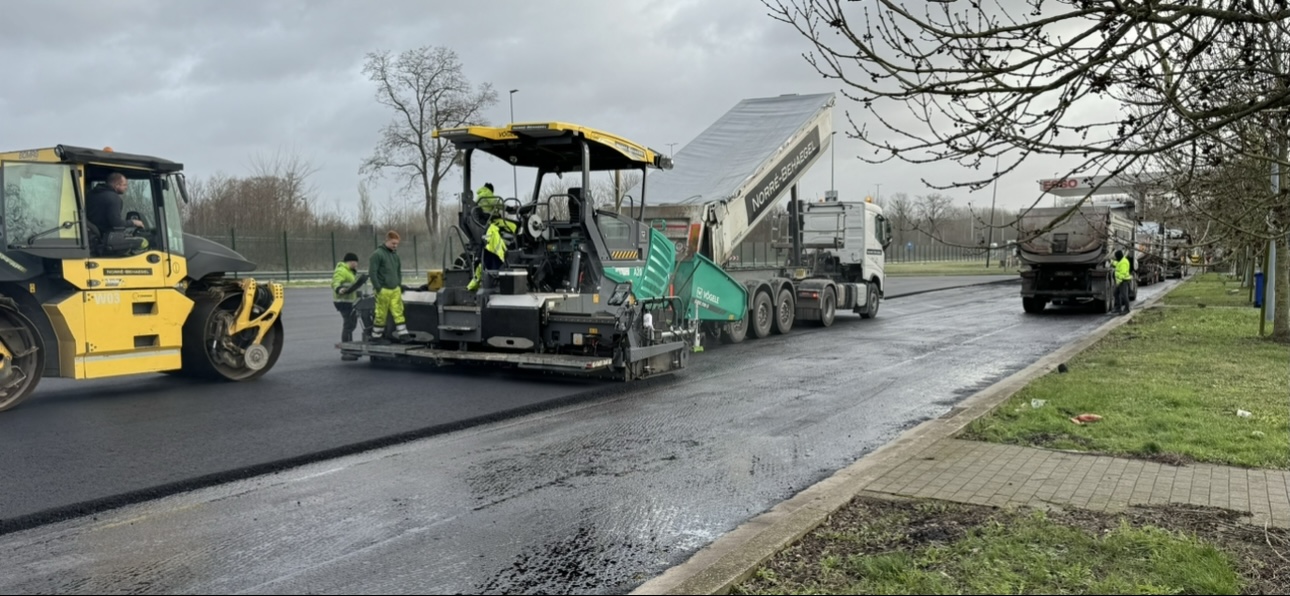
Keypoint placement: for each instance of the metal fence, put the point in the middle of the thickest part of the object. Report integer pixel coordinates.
(311, 256)
(763, 254)
(291, 256)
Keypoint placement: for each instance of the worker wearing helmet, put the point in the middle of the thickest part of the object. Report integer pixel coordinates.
(1123, 274)
(500, 230)
(386, 271)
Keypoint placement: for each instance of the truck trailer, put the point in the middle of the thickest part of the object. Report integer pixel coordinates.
(1066, 254)
(1151, 254)
(729, 179)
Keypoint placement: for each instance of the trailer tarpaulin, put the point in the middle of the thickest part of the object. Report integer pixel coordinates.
(737, 149)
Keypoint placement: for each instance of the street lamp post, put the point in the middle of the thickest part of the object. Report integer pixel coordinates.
(515, 185)
(833, 159)
(990, 227)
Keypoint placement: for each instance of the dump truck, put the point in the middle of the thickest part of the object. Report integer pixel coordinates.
(1177, 242)
(729, 180)
(1150, 254)
(585, 291)
(81, 302)
(1066, 254)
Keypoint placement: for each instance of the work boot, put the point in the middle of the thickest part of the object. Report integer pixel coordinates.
(401, 333)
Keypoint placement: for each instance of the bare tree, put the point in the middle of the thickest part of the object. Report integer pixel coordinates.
(614, 192)
(277, 196)
(901, 213)
(427, 90)
(932, 212)
(366, 215)
(979, 80)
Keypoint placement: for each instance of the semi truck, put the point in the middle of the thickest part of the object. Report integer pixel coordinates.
(726, 182)
(628, 293)
(1066, 254)
(1177, 246)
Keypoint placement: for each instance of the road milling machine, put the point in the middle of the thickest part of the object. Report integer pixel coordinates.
(81, 302)
(585, 290)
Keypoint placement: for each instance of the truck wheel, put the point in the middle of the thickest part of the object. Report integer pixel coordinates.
(735, 331)
(785, 312)
(1033, 306)
(871, 302)
(762, 314)
(828, 308)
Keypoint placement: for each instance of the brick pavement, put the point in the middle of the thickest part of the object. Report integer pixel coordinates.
(997, 475)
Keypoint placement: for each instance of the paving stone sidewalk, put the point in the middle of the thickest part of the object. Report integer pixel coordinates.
(991, 474)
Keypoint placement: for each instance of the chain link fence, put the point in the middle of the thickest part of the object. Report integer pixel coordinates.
(309, 256)
(766, 254)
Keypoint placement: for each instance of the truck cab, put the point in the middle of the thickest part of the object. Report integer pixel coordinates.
(848, 240)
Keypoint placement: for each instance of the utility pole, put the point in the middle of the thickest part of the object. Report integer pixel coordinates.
(833, 159)
(990, 228)
(515, 185)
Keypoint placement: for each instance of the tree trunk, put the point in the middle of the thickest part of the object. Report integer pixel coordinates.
(1281, 314)
(432, 211)
(434, 203)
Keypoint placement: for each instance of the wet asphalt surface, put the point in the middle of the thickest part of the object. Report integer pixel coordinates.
(78, 447)
(595, 496)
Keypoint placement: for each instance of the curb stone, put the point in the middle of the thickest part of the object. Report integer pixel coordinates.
(734, 557)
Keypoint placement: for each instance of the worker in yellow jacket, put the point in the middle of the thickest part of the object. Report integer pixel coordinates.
(494, 253)
(490, 203)
(1123, 274)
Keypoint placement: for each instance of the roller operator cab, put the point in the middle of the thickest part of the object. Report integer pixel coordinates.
(82, 302)
(586, 288)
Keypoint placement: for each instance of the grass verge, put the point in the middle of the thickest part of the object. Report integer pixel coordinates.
(1210, 289)
(946, 268)
(878, 546)
(1168, 385)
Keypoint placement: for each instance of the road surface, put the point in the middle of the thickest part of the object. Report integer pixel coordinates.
(589, 497)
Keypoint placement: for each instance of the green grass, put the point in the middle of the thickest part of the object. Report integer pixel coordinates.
(1168, 386)
(1002, 554)
(1211, 289)
(946, 268)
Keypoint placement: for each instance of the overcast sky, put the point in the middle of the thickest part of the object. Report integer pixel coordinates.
(212, 83)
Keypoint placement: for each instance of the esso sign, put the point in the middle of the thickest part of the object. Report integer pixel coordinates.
(1047, 185)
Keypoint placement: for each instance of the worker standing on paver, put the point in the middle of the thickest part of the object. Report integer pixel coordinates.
(1122, 275)
(501, 230)
(386, 271)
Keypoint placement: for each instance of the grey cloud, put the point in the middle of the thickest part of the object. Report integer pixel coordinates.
(212, 82)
